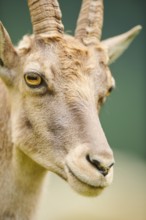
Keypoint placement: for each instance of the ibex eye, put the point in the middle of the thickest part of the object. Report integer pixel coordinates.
(33, 79)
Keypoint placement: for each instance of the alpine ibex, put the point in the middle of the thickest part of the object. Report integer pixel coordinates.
(51, 91)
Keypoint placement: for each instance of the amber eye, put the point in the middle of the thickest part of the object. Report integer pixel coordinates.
(33, 79)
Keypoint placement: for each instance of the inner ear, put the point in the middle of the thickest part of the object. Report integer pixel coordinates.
(117, 45)
(8, 55)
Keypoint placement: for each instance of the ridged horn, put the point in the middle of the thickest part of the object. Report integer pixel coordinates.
(46, 17)
(90, 21)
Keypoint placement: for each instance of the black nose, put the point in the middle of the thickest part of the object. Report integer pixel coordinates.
(103, 169)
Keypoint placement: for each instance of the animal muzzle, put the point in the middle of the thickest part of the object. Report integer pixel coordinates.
(89, 166)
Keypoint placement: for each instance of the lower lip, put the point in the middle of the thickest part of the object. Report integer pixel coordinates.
(79, 180)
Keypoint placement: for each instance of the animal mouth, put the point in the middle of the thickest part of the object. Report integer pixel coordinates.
(72, 173)
(82, 187)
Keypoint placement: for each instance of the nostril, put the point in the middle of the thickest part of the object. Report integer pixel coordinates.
(103, 169)
(111, 165)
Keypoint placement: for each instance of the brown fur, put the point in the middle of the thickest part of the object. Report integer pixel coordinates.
(68, 76)
(53, 126)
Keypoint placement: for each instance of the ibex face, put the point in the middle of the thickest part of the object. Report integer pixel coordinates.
(57, 84)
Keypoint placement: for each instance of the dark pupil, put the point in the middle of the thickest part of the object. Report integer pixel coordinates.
(32, 77)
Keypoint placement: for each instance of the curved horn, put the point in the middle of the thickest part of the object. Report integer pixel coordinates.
(90, 21)
(46, 17)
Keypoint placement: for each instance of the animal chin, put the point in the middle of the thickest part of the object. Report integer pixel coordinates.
(80, 186)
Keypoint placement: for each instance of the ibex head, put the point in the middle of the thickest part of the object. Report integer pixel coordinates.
(57, 84)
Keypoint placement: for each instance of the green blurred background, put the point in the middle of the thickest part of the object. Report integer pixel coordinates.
(123, 116)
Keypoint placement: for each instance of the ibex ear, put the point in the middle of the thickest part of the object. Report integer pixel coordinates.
(118, 44)
(8, 55)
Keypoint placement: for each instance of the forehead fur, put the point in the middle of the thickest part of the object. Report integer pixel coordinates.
(25, 44)
(70, 57)
(66, 55)
(68, 46)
